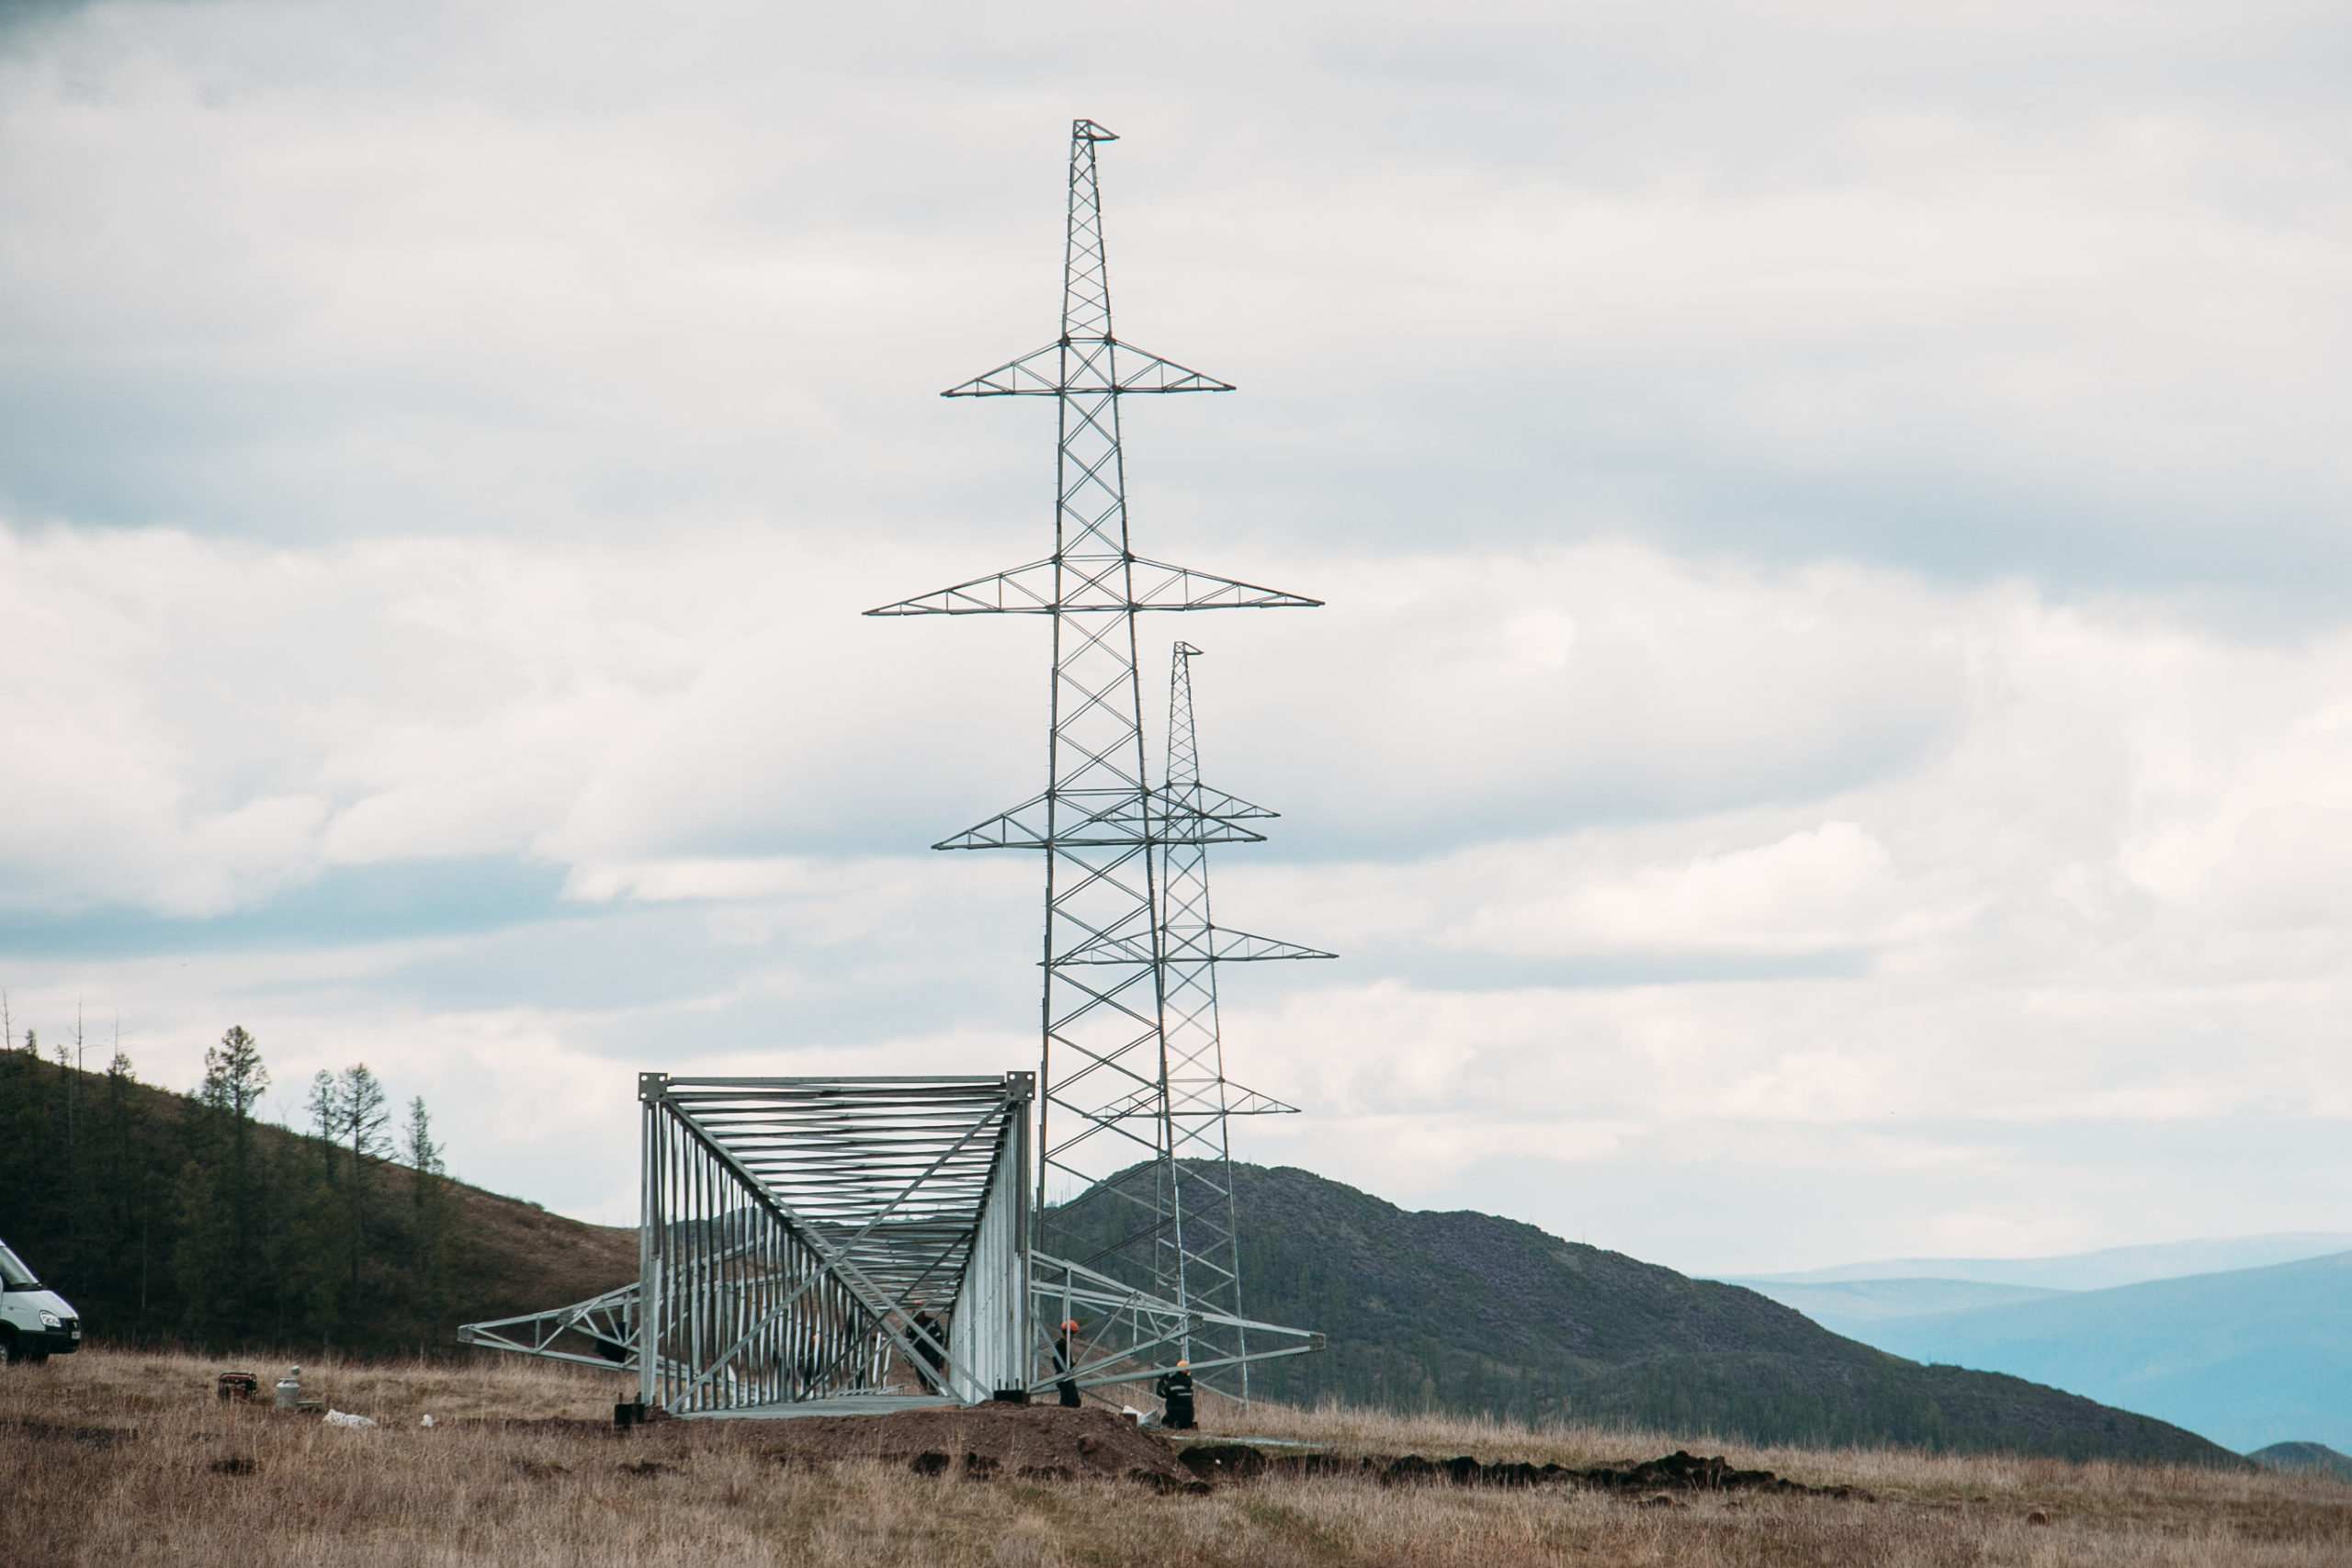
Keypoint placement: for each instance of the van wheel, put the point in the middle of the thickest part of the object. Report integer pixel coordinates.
(10, 1351)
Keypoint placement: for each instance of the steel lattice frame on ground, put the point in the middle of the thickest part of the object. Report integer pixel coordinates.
(1120, 1098)
(851, 1243)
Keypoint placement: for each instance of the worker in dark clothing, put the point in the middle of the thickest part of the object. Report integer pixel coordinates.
(929, 1329)
(1175, 1390)
(1064, 1359)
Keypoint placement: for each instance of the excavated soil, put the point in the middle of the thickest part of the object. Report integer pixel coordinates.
(1676, 1472)
(1013, 1442)
(1030, 1442)
(1045, 1442)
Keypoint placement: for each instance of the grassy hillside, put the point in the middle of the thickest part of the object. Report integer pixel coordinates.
(1470, 1314)
(2249, 1357)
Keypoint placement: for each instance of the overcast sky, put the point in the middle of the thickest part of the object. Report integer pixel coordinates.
(1831, 734)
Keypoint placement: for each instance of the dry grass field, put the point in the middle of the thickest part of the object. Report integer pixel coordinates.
(116, 1457)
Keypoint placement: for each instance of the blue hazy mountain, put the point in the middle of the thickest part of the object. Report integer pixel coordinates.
(2080, 1270)
(1840, 1304)
(2247, 1357)
(2303, 1459)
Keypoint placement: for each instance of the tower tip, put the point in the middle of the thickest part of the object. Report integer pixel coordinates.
(1087, 130)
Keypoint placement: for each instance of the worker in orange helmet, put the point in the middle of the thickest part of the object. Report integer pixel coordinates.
(1065, 1358)
(1175, 1390)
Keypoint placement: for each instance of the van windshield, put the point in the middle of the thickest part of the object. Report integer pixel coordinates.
(13, 1272)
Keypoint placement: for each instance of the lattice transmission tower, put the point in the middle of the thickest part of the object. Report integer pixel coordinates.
(1202, 1249)
(1131, 1074)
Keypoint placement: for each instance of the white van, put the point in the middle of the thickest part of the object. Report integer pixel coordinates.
(36, 1323)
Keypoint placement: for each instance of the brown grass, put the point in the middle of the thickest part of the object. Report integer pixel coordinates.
(208, 1485)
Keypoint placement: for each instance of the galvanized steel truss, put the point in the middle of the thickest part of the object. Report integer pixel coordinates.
(605, 1327)
(859, 1242)
(1122, 1100)
(811, 1239)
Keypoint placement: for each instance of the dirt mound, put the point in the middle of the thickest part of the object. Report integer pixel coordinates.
(1225, 1461)
(1020, 1442)
(1680, 1472)
(1029, 1442)
(1676, 1472)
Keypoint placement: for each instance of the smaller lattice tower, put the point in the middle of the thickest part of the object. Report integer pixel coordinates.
(1200, 1261)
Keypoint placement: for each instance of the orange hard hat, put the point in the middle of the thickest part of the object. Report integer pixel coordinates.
(1181, 1362)
(1070, 1323)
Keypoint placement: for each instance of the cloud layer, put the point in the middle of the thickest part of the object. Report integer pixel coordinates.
(1829, 737)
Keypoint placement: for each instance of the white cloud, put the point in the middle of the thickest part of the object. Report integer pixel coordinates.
(1880, 882)
(1818, 889)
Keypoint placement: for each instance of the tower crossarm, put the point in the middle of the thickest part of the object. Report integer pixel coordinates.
(1219, 946)
(1197, 799)
(1099, 584)
(1076, 367)
(1107, 818)
(1211, 1098)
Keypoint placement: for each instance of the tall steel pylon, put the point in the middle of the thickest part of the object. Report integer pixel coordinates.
(1109, 1120)
(1202, 1249)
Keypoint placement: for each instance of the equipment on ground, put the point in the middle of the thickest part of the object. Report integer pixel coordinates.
(36, 1323)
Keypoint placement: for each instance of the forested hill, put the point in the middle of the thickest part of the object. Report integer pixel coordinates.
(1472, 1313)
(174, 1218)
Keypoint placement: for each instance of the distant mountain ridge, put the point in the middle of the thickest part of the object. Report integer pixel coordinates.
(2301, 1459)
(1845, 1305)
(2103, 1269)
(1474, 1314)
(2247, 1357)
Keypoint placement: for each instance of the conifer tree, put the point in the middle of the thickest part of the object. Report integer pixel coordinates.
(326, 1106)
(362, 1117)
(430, 1194)
(234, 1079)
